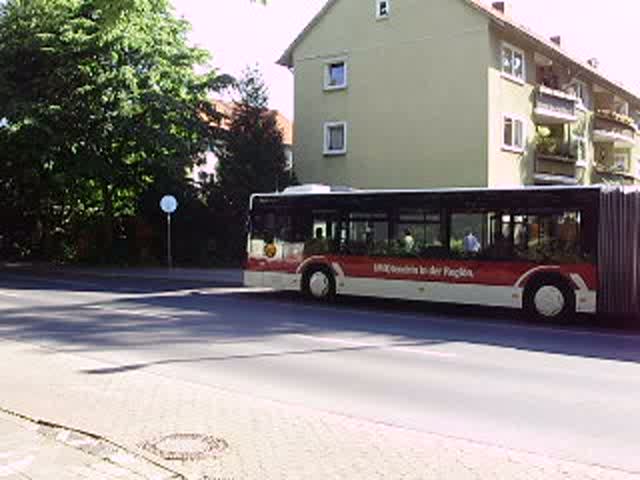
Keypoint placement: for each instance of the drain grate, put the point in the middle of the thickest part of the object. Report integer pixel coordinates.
(186, 446)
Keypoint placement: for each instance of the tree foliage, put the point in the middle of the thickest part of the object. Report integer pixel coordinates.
(252, 158)
(97, 107)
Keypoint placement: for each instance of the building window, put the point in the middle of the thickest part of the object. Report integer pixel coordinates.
(335, 138)
(513, 134)
(621, 106)
(513, 63)
(288, 155)
(382, 8)
(620, 160)
(579, 89)
(335, 75)
(579, 145)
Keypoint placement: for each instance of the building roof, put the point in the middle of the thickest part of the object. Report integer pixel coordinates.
(285, 125)
(506, 23)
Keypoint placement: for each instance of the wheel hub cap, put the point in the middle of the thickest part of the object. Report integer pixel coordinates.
(549, 301)
(319, 284)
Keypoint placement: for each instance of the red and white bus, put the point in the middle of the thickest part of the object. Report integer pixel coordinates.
(531, 248)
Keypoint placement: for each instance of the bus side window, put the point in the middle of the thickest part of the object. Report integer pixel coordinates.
(321, 232)
(419, 233)
(550, 238)
(469, 234)
(367, 233)
(482, 236)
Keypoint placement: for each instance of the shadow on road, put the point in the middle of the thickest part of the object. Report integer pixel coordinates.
(145, 314)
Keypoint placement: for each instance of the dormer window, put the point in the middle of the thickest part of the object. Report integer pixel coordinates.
(382, 9)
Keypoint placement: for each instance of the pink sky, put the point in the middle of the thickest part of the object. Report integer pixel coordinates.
(239, 33)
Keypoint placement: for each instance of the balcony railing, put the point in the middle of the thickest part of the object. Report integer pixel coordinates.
(554, 106)
(614, 128)
(615, 173)
(555, 169)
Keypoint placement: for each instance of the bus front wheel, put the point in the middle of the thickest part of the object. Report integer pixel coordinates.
(549, 299)
(319, 283)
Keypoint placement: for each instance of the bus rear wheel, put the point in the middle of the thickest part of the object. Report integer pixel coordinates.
(549, 300)
(319, 283)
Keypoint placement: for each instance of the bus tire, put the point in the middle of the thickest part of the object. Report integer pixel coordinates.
(319, 283)
(549, 299)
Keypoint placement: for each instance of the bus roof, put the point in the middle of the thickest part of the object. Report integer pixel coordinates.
(328, 190)
(316, 190)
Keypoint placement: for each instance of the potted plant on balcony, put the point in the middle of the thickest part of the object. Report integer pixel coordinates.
(618, 117)
(546, 143)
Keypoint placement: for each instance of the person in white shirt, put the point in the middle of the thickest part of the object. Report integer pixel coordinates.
(408, 240)
(471, 243)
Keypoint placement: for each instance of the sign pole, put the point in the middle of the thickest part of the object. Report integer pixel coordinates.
(169, 259)
(168, 204)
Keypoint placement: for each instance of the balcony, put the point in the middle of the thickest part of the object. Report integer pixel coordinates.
(554, 107)
(615, 173)
(555, 169)
(555, 161)
(611, 127)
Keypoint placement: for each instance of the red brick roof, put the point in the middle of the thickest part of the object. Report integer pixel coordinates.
(284, 124)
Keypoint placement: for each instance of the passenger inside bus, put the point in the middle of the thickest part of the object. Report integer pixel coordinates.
(471, 243)
(318, 244)
(408, 241)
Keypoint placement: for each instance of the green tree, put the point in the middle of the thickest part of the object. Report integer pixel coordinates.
(252, 157)
(95, 115)
(113, 9)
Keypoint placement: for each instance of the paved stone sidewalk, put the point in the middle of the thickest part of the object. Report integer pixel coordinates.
(38, 451)
(258, 439)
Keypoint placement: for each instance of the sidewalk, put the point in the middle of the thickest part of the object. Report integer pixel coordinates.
(228, 277)
(35, 450)
(208, 433)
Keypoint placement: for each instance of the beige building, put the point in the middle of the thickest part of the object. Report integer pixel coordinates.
(433, 93)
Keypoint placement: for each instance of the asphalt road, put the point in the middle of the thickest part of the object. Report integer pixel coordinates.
(485, 375)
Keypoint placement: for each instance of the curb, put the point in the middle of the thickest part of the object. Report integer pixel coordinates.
(168, 276)
(100, 447)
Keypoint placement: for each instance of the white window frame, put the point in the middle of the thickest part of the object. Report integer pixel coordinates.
(327, 74)
(627, 159)
(327, 127)
(511, 76)
(380, 16)
(513, 148)
(622, 103)
(582, 162)
(582, 93)
(288, 155)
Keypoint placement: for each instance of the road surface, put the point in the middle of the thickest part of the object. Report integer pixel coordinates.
(481, 375)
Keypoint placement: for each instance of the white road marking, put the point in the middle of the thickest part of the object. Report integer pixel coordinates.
(162, 314)
(388, 346)
(7, 293)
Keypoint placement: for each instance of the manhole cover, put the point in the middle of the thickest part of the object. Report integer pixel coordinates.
(186, 446)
